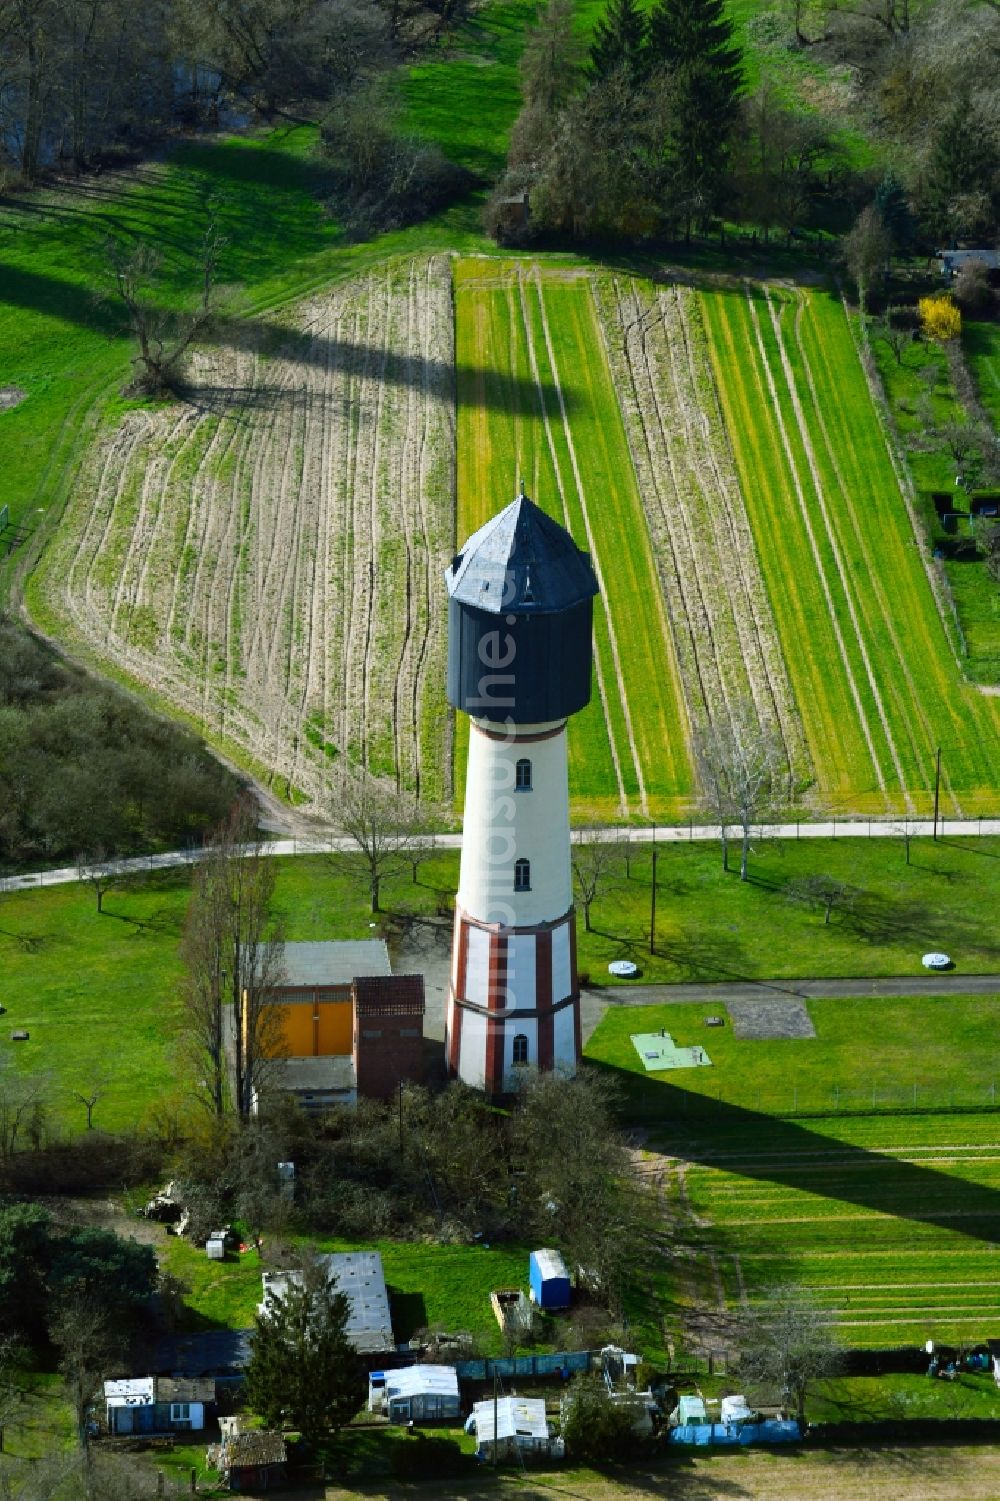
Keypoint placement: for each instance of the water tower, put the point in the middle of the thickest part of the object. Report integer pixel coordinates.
(519, 664)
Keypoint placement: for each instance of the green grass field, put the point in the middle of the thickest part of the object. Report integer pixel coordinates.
(536, 401)
(100, 994)
(876, 680)
(889, 1215)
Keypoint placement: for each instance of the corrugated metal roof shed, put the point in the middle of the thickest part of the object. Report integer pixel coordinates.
(550, 1263)
(335, 962)
(185, 1389)
(359, 1274)
(514, 1417)
(327, 1074)
(521, 561)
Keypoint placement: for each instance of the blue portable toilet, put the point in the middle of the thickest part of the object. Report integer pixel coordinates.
(548, 1280)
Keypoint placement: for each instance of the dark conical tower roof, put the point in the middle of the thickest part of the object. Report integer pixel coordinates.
(521, 562)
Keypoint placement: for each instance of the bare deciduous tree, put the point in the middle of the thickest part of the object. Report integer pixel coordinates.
(786, 1347)
(22, 1109)
(827, 892)
(594, 853)
(866, 250)
(101, 872)
(235, 959)
(382, 824)
(163, 336)
(896, 336)
(742, 768)
(90, 1094)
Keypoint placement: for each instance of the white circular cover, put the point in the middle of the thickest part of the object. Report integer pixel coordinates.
(623, 968)
(935, 961)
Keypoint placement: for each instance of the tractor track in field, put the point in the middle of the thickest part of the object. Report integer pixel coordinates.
(813, 544)
(831, 535)
(719, 615)
(595, 557)
(557, 470)
(263, 553)
(887, 615)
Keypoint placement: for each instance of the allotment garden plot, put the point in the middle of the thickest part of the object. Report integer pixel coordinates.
(265, 556)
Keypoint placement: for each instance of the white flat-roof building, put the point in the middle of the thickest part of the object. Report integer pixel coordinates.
(507, 1426)
(415, 1394)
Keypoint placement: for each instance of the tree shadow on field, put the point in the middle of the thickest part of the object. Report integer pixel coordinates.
(769, 1149)
(883, 920)
(482, 386)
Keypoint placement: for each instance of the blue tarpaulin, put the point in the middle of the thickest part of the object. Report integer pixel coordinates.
(771, 1431)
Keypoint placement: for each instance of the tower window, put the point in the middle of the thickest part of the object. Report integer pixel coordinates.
(522, 875)
(522, 775)
(520, 1053)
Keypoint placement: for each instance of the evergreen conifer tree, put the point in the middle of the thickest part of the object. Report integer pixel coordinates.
(303, 1371)
(692, 40)
(619, 41)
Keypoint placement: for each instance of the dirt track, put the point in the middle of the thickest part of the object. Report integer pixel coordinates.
(927, 1473)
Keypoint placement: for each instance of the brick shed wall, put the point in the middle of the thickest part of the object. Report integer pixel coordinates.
(388, 1033)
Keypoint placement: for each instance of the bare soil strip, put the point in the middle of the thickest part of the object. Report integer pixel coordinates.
(263, 556)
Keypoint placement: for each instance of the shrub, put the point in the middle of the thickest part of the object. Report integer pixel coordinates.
(973, 292)
(940, 318)
(594, 1426)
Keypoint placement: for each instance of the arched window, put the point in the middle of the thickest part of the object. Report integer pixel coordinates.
(522, 875)
(522, 775)
(520, 1053)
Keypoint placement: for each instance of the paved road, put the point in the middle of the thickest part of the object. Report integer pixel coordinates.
(644, 834)
(755, 990)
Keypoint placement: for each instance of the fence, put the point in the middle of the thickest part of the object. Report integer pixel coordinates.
(507, 1368)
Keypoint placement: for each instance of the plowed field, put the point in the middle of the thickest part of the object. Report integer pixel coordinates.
(266, 555)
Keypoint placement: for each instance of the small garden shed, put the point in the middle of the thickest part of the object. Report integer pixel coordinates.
(549, 1280)
(254, 1461)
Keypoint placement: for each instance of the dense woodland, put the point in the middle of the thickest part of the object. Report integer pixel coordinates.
(87, 771)
(653, 130)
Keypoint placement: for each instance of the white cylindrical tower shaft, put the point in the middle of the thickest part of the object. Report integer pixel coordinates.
(516, 808)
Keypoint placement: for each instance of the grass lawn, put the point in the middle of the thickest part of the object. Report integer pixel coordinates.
(890, 1217)
(936, 1051)
(100, 994)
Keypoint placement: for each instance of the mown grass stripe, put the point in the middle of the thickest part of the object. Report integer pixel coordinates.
(842, 573)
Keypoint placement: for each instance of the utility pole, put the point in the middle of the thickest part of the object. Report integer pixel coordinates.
(937, 791)
(652, 901)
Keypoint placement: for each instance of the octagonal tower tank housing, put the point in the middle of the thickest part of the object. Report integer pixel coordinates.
(520, 620)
